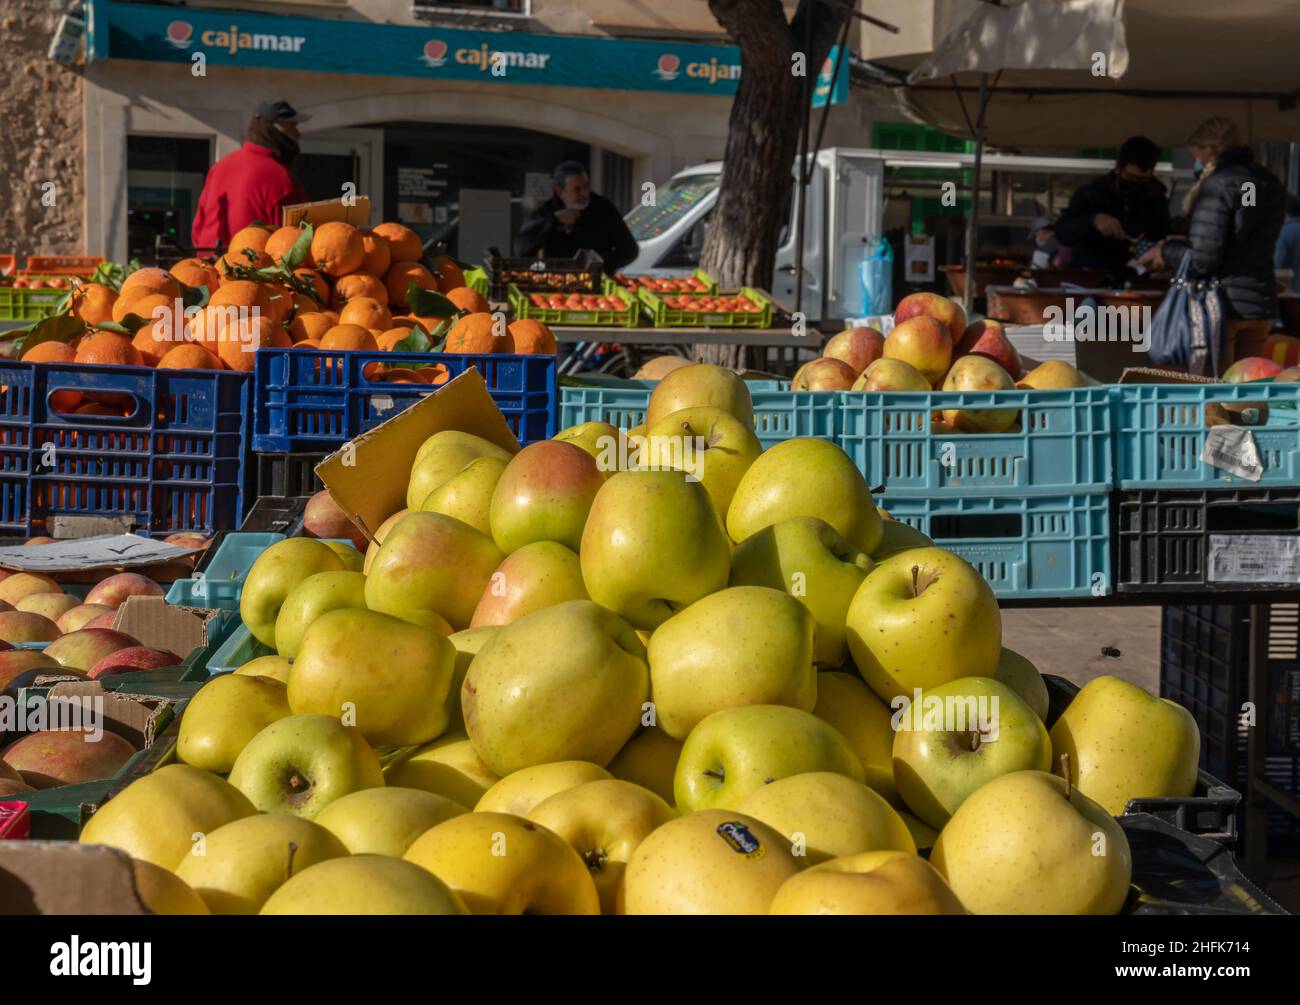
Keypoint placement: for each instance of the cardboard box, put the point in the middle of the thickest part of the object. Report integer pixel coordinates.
(64, 877)
(327, 211)
(367, 476)
(172, 627)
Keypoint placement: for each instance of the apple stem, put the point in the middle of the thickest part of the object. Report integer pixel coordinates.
(1065, 770)
(288, 868)
(916, 573)
(975, 741)
(711, 773)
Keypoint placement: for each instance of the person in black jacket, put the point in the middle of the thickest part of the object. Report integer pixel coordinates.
(1109, 214)
(1235, 212)
(575, 217)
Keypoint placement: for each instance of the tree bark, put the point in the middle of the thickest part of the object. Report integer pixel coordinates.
(762, 143)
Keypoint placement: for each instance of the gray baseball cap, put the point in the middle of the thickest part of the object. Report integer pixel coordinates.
(280, 111)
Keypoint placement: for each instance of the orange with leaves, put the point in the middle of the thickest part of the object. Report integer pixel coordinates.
(399, 277)
(93, 303)
(366, 312)
(196, 272)
(244, 294)
(281, 241)
(404, 243)
(311, 325)
(389, 339)
(478, 333)
(358, 284)
(160, 335)
(237, 344)
(149, 280)
(450, 276)
(337, 249)
(532, 337)
(467, 300)
(317, 282)
(378, 255)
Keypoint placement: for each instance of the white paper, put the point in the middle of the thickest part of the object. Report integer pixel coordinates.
(90, 553)
(1232, 449)
(1253, 558)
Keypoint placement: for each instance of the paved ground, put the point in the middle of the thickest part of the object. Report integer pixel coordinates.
(1068, 641)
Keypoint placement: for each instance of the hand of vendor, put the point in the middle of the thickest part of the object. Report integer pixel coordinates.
(1154, 259)
(1109, 226)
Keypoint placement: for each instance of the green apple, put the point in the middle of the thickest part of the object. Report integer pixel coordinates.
(805, 477)
(353, 560)
(224, 715)
(302, 763)
(273, 576)
(431, 562)
(364, 885)
(710, 862)
(845, 702)
(443, 455)
(156, 817)
(521, 790)
(808, 559)
(544, 494)
(745, 645)
(501, 864)
(1023, 677)
(385, 821)
(1124, 743)
(652, 545)
(538, 575)
(826, 815)
(958, 736)
(600, 439)
(1028, 843)
(733, 752)
(467, 644)
(567, 683)
(920, 619)
(325, 591)
(449, 766)
(710, 444)
(236, 867)
(896, 536)
(650, 760)
(922, 833)
(604, 822)
(467, 495)
(163, 892)
(701, 384)
(389, 678)
(871, 882)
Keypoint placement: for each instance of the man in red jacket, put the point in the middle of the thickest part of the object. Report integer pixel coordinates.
(253, 182)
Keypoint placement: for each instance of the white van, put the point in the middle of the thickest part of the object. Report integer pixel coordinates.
(847, 200)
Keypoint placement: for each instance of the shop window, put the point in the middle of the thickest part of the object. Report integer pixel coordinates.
(164, 178)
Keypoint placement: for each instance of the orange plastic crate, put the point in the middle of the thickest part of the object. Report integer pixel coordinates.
(63, 265)
(7, 264)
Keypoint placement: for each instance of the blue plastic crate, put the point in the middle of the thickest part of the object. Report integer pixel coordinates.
(779, 413)
(1039, 546)
(1062, 443)
(176, 463)
(318, 399)
(1160, 433)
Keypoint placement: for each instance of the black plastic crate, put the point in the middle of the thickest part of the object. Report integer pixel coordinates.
(1204, 666)
(1209, 812)
(282, 476)
(282, 515)
(583, 273)
(1225, 540)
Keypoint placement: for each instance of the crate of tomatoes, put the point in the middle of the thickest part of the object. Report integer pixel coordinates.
(583, 273)
(615, 307)
(696, 283)
(746, 308)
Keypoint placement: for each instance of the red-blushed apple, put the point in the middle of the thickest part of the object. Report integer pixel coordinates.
(891, 375)
(106, 620)
(80, 617)
(858, 347)
(544, 494)
(824, 374)
(12, 787)
(113, 591)
(56, 757)
(925, 344)
(48, 605)
(979, 373)
(23, 584)
(18, 661)
(932, 305)
(989, 338)
(187, 539)
(541, 574)
(82, 649)
(132, 659)
(1053, 374)
(1251, 368)
(325, 518)
(24, 626)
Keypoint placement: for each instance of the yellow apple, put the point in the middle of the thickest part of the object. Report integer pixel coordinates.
(443, 455)
(366, 885)
(372, 549)
(353, 560)
(314, 596)
(1023, 677)
(698, 385)
(274, 666)
(385, 821)
(225, 714)
(274, 575)
(846, 703)
(708, 862)
(502, 864)
(448, 767)
(163, 892)
(650, 760)
(467, 495)
(871, 882)
(521, 790)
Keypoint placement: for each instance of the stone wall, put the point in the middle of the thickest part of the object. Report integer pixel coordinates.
(42, 137)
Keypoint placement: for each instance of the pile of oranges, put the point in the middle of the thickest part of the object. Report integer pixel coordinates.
(361, 278)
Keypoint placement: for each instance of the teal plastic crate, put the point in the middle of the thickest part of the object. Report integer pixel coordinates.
(1160, 434)
(219, 584)
(1062, 443)
(1026, 547)
(238, 648)
(779, 413)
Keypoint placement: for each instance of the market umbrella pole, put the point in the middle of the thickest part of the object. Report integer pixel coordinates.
(972, 220)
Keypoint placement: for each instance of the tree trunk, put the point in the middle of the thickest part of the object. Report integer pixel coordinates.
(762, 144)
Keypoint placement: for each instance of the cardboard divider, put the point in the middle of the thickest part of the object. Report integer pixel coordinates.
(368, 476)
(136, 718)
(172, 627)
(327, 211)
(64, 877)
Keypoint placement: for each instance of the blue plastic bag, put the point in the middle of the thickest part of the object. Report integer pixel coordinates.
(878, 278)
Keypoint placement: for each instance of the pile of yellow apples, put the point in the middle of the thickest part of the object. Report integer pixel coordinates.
(653, 671)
